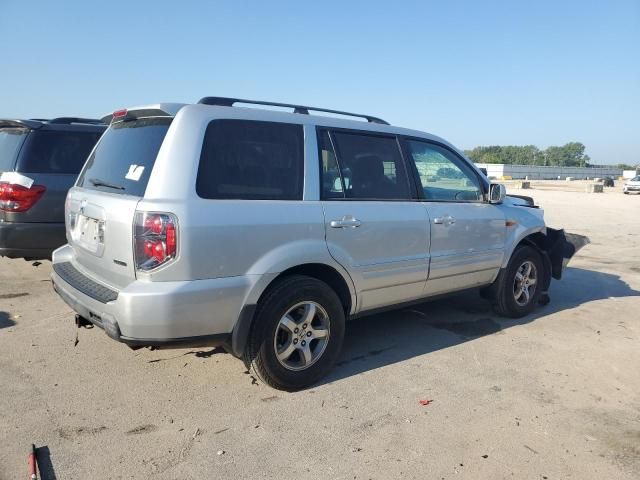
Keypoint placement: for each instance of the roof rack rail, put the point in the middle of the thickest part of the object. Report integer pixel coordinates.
(40, 119)
(70, 120)
(228, 102)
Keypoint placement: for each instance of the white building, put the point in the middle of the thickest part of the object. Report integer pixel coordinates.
(534, 172)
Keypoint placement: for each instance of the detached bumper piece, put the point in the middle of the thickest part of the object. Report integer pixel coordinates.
(561, 247)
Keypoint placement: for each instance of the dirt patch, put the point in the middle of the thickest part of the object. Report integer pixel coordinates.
(148, 428)
(71, 433)
(5, 296)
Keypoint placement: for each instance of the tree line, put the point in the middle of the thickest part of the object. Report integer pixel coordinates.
(569, 155)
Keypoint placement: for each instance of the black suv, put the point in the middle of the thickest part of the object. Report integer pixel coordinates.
(39, 161)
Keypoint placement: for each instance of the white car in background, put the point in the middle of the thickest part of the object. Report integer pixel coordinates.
(632, 185)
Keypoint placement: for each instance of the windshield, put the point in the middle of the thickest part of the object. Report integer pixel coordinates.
(636, 179)
(123, 159)
(11, 140)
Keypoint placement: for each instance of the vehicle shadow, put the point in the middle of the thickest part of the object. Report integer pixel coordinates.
(5, 320)
(386, 338)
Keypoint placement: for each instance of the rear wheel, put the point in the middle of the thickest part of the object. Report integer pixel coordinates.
(297, 333)
(519, 285)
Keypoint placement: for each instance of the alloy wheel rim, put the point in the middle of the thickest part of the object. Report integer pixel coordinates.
(301, 336)
(525, 283)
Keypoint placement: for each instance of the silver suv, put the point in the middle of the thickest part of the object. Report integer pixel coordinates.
(263, 231)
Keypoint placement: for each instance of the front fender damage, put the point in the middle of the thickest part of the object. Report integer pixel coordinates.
(556, 247)
(561, 246)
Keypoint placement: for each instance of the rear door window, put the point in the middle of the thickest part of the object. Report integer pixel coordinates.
(125, 156)
(51, 151)
(251, 160)
(11, 139)
(371, 167)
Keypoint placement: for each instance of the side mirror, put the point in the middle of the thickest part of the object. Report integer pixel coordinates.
(497, 192)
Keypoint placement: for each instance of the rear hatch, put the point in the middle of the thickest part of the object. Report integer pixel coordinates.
(101, 207)
(52, 159)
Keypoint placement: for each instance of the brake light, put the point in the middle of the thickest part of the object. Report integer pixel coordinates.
(17, 198)
(155, 238)
(119, 113)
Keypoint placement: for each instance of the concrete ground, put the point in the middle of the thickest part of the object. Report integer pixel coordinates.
(554, 395)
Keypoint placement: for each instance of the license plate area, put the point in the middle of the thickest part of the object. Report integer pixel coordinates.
(89, 234)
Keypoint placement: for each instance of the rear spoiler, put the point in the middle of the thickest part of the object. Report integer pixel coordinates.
(33, 124)
(71, 120)
(156, 110)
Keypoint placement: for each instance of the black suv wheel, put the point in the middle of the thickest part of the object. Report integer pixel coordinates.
(519, 285)
(297, 333)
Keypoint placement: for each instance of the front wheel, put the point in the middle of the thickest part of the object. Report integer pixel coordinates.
(519, 285)
(297, 334)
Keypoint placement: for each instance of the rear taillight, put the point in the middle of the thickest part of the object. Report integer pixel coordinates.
(16, 198)
(155, 239)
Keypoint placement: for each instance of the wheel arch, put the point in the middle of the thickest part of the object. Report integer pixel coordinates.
(533, 236)
(537, 239)
(333, 276)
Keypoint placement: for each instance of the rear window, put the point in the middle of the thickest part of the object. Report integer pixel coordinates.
(251, 160)
(124, 158)
(11, 140)
(50, 151)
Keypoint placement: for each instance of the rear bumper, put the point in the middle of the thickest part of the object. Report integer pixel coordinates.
(30, 240)
(158, 313)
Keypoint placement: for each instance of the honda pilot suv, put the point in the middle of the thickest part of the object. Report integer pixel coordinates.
(39, 162)
(263, 231)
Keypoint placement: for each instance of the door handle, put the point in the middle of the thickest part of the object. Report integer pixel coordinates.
(347, 221)
(446, 220)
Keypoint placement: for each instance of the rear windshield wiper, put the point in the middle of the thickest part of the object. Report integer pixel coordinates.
(96, 182)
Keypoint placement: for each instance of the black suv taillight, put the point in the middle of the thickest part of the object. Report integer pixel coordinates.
(155, 239)
(17, 198)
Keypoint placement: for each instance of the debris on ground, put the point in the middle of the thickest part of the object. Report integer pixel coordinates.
(221, 452)
(425, 402)
(36, 264)
(33, 463)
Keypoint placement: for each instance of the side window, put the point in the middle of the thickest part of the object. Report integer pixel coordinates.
(251, 160)
(443, 175)
(371, 166)
(329, 171)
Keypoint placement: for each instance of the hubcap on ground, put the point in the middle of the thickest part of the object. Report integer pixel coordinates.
(524, 285)
(301, 336)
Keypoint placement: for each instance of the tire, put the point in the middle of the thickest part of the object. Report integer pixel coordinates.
(295, 299)
(510, 300)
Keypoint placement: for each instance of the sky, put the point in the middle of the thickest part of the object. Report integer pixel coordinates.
(476, 73)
